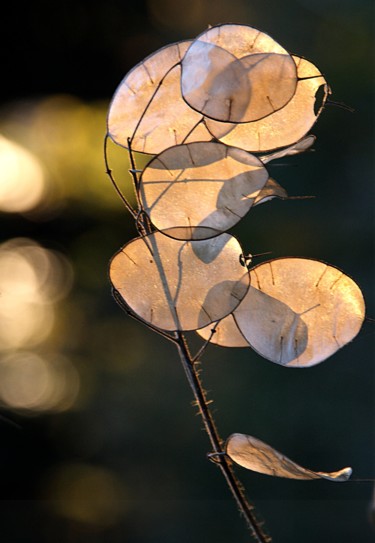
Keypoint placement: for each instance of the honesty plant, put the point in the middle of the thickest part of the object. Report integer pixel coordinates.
(203, 108)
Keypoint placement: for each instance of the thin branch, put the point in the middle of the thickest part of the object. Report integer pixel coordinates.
(134, 173)
(341, 105)
(131, 314)
(297, 197)
(142, 221)
(144, 112)
(199, 354)
(117, 188)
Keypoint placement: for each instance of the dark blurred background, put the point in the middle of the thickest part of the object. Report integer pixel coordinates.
(99, 442)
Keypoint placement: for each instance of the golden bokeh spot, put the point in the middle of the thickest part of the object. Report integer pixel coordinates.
(22, 184)
(32, 279)
(34, 383)
(62, 132)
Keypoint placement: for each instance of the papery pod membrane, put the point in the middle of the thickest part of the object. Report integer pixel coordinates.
(200, 189)
(280, 315)
(300, 146)
(298, 312)
(148, 108)
(255, 455)
(180, 285)
(271, 190)
(235, 73)
(283, 127)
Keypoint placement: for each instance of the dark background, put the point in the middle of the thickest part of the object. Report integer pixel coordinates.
(125, 462)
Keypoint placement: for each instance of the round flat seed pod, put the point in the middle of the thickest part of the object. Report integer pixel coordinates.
(235, 73)
(282, 317)
(255, 455)
(298, 312)
(148, 108)
(284, 127)
(179, 285)
(206, 188)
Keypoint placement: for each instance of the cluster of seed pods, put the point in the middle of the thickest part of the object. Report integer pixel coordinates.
(213, 112)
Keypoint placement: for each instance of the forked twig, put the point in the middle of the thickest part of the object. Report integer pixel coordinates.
(199, 354)
(115, 185)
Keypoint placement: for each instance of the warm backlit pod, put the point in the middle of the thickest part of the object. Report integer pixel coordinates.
(283, 127)
(180, 285)
(253, 454)
(235, 73)
(298, 312)
(148, 108)
(258, 305)
(201, 189)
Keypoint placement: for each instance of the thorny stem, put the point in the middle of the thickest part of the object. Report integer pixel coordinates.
(189, 364)
(246, 509)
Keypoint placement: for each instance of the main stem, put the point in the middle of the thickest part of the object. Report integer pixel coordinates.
(189, 366)
(233, 483)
